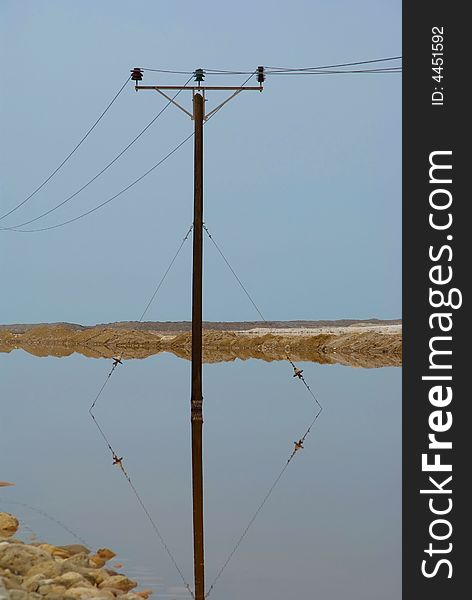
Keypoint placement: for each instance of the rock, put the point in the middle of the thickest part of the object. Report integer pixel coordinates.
(52, 591)
(46, 547)
(95, 576)
(72, 579)
(19, 595)
(111, 572)
(78, 593)
(10, 581)
(31, 584)
(55, 550)
(8, 525)
(118, 582)
(40, 571)
(144, 594)
(75, 562)
(47, 569)
(4, 595)
(12, 540)
(19, 558)
(105, 553)
(73, 549)
(96, 561)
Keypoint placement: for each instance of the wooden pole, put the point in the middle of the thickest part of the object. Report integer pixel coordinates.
(197, 397)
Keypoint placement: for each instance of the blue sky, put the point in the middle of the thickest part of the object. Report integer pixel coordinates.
(302, 182)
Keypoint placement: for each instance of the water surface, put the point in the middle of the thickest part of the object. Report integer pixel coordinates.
(331, 529)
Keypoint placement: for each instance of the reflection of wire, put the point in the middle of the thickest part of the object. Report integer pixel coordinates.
(298, 445)
(118, 461)
(48, 516)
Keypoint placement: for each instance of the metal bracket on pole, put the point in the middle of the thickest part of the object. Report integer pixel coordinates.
(174, 102)
(212, 112)
(198, 89)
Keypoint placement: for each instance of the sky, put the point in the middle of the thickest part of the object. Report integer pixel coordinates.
(302, 182)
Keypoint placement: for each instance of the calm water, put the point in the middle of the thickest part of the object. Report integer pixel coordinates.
(331, 529)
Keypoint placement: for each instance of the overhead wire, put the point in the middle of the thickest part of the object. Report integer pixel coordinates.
(122, 191)
(69, 155)
(90, 181)
(167, 71)
(346, 64)
(269, 70)
(345, 72)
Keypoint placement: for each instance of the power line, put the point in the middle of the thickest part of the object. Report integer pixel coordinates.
(70, 154)
(274, 70)
(109, 199)
(277, 71)
(15, 227)
(325, 72)
(347, 64)
(120, 192)
(167, 71)
(331, 72)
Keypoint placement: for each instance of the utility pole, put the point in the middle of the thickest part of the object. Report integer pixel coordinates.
(197, 395)
(199, 117)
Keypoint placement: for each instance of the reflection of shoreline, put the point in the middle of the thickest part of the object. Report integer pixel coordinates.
(364, 344)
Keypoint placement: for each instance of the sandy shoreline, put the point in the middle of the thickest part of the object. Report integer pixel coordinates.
(361, 344)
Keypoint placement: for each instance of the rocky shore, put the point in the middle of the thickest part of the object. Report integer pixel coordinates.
(40, 571)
